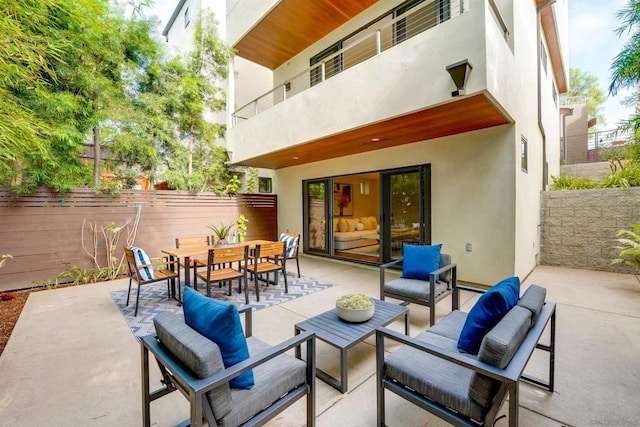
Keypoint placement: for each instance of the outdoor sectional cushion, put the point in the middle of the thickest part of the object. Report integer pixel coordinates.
(533, 300)
(413, 288)
(146, 273)
(198, 353)
(272, 380)
(420, 260)
(487, 312)
(220, 322)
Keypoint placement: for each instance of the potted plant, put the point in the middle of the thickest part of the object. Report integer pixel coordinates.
(221, 232)
(355, 308)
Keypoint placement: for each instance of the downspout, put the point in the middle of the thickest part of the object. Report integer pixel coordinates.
(540, 124)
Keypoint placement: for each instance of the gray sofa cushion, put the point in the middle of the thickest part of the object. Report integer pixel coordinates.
(445, 259)
(450, 326)
(412, 288)
(198, 353)
(533, 300)
(497, 349)
(273, 379)
(439, 380)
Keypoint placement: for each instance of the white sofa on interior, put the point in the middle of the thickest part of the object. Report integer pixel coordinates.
(349, 233)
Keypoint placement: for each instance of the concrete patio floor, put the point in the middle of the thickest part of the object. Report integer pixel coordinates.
(73, 361)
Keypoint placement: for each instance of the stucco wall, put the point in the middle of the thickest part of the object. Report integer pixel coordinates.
(578, 227)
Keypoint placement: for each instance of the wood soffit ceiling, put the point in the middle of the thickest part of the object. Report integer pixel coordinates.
(294, 25)
(463, 115)
(553, 44)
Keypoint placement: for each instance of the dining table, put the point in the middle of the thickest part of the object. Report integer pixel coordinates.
(187, 254)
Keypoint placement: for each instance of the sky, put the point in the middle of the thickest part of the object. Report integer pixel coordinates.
(593, 44)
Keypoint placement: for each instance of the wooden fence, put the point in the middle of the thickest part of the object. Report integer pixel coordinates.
(43, 231)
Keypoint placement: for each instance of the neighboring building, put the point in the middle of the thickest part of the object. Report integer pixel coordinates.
(363, 119)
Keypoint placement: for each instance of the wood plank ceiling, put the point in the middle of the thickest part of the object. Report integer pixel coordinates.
(294, 25)
(464, 114)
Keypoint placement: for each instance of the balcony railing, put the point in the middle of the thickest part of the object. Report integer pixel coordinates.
(370, 42)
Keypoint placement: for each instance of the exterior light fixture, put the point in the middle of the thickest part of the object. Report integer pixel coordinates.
(375, 139)
(295, 157)
(459, 73)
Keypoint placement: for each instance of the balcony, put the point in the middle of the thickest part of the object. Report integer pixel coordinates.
(387, 86)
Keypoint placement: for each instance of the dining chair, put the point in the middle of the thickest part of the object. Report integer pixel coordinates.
(192, 242)
(144, 271)
(292, 249)
(219, 267)
(267, 258)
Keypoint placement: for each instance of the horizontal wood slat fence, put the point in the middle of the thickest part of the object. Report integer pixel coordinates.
(43, 231)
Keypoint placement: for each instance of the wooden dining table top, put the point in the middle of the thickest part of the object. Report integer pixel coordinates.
(194, 251)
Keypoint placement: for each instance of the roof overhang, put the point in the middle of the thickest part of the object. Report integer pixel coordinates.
(551, 36)
(292, 26)
(462, 115)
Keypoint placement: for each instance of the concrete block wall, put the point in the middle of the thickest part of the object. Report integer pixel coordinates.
(578, 227)
(595, 171)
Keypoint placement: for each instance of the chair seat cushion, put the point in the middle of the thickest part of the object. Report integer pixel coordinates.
(487, 312)
(413, 288)
(420, 260)
(273, 379)
(198, 353)
(440, 381)
(220, 322)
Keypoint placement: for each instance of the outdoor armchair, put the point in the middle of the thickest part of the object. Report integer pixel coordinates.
(441, 283)
(191, 363)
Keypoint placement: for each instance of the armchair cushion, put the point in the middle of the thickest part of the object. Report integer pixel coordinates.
(533, 300)
(220, 322)
(487, 312)
(198, 353)
(141, 257)
(420, 260)
(412, 288)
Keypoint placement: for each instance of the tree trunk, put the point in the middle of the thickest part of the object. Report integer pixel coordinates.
(96, 156)
(190, 149)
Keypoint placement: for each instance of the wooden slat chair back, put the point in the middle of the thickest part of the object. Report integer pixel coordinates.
(267, 258)
(192, 242)
(219, 267)
(170, 270)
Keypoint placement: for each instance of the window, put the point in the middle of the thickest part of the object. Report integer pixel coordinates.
(264, 185)
(543, 57)
(523, 153)
(554, 93)
(187, 17)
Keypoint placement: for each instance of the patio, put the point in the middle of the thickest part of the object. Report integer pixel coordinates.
(72, 359)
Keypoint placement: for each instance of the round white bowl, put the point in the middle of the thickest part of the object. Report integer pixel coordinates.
(355, 316)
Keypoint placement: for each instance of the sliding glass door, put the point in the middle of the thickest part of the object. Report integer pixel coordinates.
(406, 209)
(317, 205)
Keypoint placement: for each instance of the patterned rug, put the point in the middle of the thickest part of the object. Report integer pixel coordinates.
(153, 299)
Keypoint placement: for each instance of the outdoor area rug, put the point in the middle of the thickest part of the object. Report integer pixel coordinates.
(153, 299)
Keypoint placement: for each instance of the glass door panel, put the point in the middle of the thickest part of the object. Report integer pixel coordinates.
(406, 210)
(316, 216)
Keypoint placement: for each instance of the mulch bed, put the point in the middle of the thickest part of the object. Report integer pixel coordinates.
(10, 312)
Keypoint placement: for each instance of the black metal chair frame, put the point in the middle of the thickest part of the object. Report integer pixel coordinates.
(176, 377)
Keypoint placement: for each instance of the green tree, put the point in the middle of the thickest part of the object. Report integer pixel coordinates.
(625, 69)
(585, 85)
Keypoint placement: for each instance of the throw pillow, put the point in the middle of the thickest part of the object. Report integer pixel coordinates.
(487, 312)
(352, 224)
(374, 222)
(342, 225)
(292, 241)
(366, 223)
(220, 322)
(360, 226)
(141, 257)
(420, 260)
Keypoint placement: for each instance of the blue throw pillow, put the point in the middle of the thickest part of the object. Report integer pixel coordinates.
(420, 260)
(290, 251)
(487, 312)
(141, 257)
(220, 322)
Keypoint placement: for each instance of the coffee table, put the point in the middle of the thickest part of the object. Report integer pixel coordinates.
(344, 335)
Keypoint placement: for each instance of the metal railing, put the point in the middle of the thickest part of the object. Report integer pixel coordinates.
(381, 36)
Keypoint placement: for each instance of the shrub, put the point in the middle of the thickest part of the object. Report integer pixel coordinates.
(568, 182)
(629, 246)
